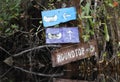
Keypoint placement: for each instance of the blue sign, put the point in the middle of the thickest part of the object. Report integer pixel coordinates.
(62, 35)
(53, 17)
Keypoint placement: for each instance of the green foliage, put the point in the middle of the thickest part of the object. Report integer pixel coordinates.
(85, 11)
(51, 4)
(87, 18)
(118, 54)
(109, 3)
(107, 38)
(9, 9)
(104, 54)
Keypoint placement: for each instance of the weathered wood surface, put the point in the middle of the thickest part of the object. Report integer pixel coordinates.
(73, 53)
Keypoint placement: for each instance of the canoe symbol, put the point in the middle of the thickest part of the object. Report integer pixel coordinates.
(50, 19)
(54, 36)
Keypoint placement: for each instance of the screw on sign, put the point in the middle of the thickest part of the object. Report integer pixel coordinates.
(73, 53)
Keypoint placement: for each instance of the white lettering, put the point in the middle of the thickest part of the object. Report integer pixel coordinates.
(76, 52)
(70, 55)
(82, 51)
(79, 52)
(73, 54)
(58, 58)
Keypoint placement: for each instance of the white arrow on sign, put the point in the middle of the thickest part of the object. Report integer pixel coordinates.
(65, 16)
(70, 34)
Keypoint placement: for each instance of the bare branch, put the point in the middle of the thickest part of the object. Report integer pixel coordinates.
(5, 50)
(95, 7)
(6, 72)
(39, 74)
(22, 52)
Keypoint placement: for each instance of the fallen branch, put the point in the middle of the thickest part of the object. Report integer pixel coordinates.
(6, 72)
(22, 52)
(39, 74)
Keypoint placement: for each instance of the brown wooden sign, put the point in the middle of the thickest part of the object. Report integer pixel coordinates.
(73, 53)
(69, 80)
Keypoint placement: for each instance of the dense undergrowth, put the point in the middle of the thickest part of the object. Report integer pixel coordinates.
(21, 29)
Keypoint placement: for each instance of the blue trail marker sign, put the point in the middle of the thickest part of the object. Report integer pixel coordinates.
(62, 35)
(53, 17)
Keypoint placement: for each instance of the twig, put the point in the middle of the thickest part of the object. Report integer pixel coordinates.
(5, 51)
(113, 57)
(35, 18)
(39, 74)
(23, 32)
(6, 72)
(22, 52)
(113, 79)
(95, 7)
(34, 25)
(41, 5)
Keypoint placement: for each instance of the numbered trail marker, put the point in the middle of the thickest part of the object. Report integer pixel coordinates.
(53, 17)
(62, 35)
(73, 53)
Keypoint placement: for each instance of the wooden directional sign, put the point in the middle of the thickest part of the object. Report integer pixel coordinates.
(68, 80)
(62, 35)
(73, 53)
(53, 17)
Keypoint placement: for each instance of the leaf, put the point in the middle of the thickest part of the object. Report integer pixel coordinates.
(118, 54)
(87, 8)
(104, 54)
(14, 26)
(91, 23)
(7, 30)
(86, 37)
(7, 1)
(107, 38)
(86, 17)
(111, 5)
